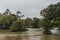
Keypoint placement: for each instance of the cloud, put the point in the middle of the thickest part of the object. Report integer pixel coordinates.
(30, 8)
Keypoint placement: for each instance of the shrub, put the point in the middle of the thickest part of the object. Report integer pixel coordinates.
(16, 26)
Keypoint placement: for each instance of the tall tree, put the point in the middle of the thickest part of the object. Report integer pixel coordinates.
(18, 15)
(35, 22)
(51, 16)
(28, 22)
(7, 12)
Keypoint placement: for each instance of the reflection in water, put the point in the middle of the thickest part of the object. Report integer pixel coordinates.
(44, 37)
(50, 37)
(21, 38)
(31, 35)
(16, 38)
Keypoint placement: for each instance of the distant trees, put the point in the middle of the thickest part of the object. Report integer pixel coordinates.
(7, 12)
(36, 23)
(18, 13)
(14, 22)
(28, 22)
(9, 21)
(32, 23)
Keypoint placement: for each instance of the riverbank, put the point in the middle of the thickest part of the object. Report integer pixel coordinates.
(30, 32)
(9, 32)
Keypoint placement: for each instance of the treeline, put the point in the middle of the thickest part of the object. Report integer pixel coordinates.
(13, 22)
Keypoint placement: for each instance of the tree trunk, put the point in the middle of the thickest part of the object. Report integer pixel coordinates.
(46, 30)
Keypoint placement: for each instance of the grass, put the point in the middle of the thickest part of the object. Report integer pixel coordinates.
(9, 32)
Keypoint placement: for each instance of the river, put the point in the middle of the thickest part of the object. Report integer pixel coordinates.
(31, 34)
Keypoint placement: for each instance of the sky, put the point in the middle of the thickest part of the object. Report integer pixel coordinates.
(30, 8)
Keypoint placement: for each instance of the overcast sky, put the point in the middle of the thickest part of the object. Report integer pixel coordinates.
(30, 8)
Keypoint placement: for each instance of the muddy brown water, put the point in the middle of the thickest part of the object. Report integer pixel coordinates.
(29, 35)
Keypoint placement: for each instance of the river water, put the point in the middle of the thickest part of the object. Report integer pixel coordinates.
(32, 34)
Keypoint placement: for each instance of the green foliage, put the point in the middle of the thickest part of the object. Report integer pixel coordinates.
(51, 16)
(52, 13)
(9, 21)
(16, 26)
(36, 22)
(14, 22)
(18, 13)
(28, 22)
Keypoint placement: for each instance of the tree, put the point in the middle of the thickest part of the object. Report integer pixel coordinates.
(35, 22)
(6, 20)
(12, 22)
(16, 26)
(19, 15)
(7, 12)
(28, 22)
(51, 16)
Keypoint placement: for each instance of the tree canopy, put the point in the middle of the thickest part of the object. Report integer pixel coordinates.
(51, 16)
